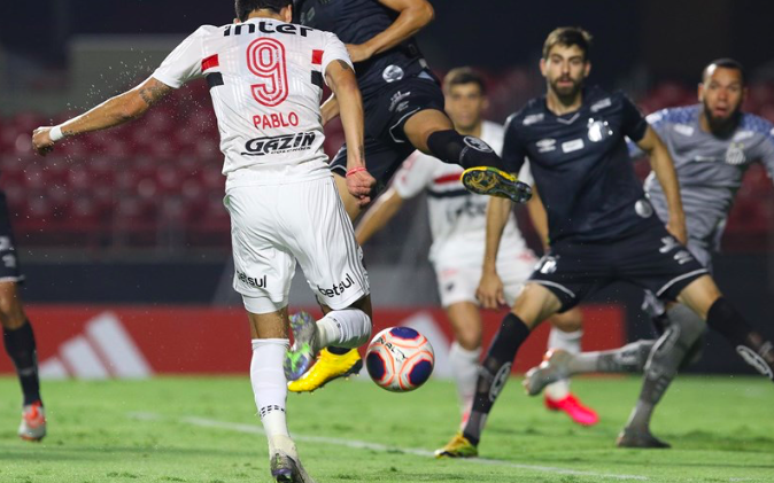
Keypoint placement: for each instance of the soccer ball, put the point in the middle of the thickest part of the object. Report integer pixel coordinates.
(400, 359)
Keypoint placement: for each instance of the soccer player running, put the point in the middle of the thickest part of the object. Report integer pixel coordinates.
(17, 332)
(712, 144)
(283, 203)
(602, 227)
(458, 224)
(404, 111)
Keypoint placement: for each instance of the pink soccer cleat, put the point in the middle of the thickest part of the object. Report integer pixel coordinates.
(574, 408)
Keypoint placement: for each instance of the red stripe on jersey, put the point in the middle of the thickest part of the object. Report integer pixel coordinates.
(210, 62)
(317, 57)
(449, 178)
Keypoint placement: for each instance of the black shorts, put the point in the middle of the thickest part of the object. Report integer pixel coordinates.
(9, 261)
(386, 145)
(651, 259)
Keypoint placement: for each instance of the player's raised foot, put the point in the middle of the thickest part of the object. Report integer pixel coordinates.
(458, 447)
(634, 438)
(570, 405)
(552, 369)
(305, 346)
(286, 469)
(486, 180)
(329, 366)
(33, 423)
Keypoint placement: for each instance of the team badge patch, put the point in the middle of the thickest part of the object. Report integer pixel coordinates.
(599, 130)
(477, 144)
(392, 73)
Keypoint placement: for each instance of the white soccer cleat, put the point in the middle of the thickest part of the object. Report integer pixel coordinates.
(33, 423)
(286, 469)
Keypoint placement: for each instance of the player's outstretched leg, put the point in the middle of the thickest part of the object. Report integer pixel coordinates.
(348, 328)
(20, 345)
(432, 132)
(535, 303)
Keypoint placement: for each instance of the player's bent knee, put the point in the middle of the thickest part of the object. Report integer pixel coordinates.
(535, 304)
(11, 314)
(570, 321)
(699, 295)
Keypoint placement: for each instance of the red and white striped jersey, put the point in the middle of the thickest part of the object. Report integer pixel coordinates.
(457, 216)
(266, 82)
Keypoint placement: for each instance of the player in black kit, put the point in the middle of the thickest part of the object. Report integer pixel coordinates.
(404, 110)
(602, 229)
(17, 332)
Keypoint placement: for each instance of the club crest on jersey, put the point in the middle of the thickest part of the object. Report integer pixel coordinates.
(735, 154)
(392, 73)
(599, 130)
(279, 144)
(477, 144)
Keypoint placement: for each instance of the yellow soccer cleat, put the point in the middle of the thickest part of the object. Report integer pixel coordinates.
(486, 180)
(458, 447)
(329, 366)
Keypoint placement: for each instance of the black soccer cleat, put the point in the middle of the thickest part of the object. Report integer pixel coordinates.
(632, 438)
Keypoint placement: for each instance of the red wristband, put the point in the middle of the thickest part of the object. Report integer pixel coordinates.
(355, 170)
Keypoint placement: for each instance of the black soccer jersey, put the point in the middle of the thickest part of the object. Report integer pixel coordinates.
(355, 22)
(581, 165)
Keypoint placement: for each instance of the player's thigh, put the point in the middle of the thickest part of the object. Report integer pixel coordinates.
(383, 159)
(319, 234)
(535, 304)
(420, 125)
(11, 311)
(699, 295)
(515, 269)
(263, 268)
(465, 320)
(569, 321)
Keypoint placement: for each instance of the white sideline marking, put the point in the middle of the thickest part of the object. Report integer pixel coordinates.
(356, 444)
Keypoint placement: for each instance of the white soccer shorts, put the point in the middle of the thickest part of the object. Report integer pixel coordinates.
(459, 284)
(273, 226)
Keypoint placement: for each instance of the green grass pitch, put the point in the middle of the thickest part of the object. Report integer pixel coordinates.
(205, 430)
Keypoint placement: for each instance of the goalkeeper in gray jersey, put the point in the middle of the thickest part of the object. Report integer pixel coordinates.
(712, 144)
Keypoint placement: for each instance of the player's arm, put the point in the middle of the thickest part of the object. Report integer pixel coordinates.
(341, 79)
(413, 16)
(538, 216)
(661, 164)
(113, 112)
(329, 109)
(378, 215)
(490, 289)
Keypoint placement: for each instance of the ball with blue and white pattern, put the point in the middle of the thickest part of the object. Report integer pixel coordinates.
(400, 359)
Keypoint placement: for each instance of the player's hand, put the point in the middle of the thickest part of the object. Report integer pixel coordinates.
(41, 141)
(676, 227)
(359, 52)
(359, 185)
(490, 291)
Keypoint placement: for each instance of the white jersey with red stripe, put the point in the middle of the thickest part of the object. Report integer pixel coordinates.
(266, 82)
(457, 216)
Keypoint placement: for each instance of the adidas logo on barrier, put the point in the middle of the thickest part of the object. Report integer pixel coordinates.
(105, 350)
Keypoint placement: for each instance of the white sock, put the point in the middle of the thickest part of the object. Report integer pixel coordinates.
(271, 391)
(465, 364)
(567, 341)
(348, 328)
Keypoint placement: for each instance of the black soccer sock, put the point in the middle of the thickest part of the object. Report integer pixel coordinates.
(666, 357)
(20, 345)
(750, 344)
(494, 373)
(339, 351)
(467, 151)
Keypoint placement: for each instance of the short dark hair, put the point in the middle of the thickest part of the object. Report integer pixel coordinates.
(245, 7)
(463, 75)
(726, 63)
(567, 37)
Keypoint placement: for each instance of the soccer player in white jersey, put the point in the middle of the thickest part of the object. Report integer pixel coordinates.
(458, 225)
(265, 76)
